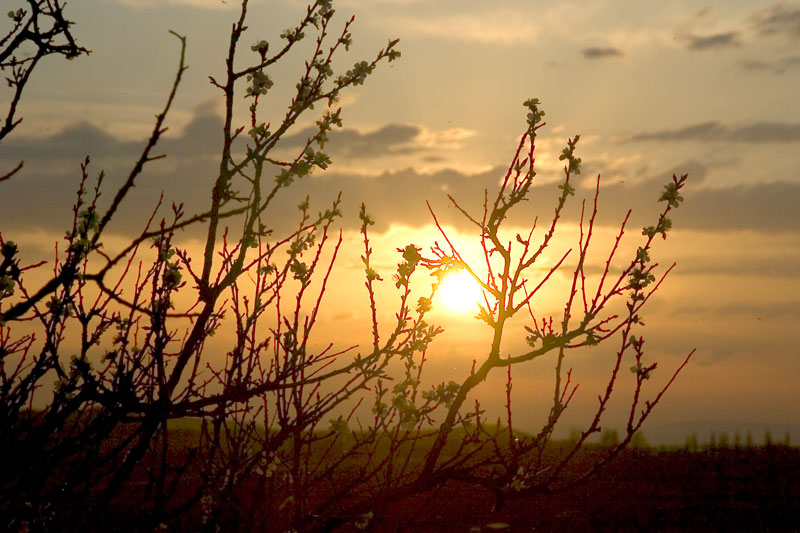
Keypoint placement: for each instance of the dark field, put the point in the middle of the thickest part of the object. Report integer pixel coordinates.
(756, 489)
(713, 488)
(745, 489)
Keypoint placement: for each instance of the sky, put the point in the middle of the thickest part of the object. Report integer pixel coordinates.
(653, 88)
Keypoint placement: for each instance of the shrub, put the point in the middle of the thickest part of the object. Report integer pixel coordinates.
(139, 422)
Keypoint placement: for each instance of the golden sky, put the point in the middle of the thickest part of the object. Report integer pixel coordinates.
(708, 89)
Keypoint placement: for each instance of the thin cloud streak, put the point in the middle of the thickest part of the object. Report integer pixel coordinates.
(778, 66)
(782, 18)
(392, 139)
(718, 40)
(713, 131)
(598, 53)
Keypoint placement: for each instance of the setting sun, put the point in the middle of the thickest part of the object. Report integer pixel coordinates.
(460, 292)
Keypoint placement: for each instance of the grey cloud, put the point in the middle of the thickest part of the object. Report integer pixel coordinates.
(718, 40)
(782, 18)
(41, 196)
(199, 137)
(777, 66)
(78, 139)
(598, 53)
(388, 140)
(756, 310)
(703, 12)
(768, 207)
(782, 267)
(756, 132)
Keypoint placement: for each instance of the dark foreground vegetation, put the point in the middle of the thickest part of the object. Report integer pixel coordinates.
(745, 489)
(106, 349)
(692, 488)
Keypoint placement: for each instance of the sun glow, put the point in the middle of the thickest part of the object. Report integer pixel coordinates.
(460, 292)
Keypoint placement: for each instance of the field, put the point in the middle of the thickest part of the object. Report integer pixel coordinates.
(730, 488)
(756, 489)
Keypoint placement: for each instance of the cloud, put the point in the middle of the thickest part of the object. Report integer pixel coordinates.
(713, 131)
(392, 139)
(598, 53)
(717, 40)
(706, 11)
(199, 138)
(40, 197)
(782, 18)
(777, 66)
(767, 207)
(77, 139)
(780, 265)
(387, 140)
(760, 310)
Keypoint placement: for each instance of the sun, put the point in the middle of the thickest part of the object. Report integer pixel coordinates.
(460, 292)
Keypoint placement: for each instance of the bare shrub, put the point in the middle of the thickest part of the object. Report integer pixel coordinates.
(142, 419)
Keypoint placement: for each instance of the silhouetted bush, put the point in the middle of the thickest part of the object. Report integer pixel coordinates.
(143, 429)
